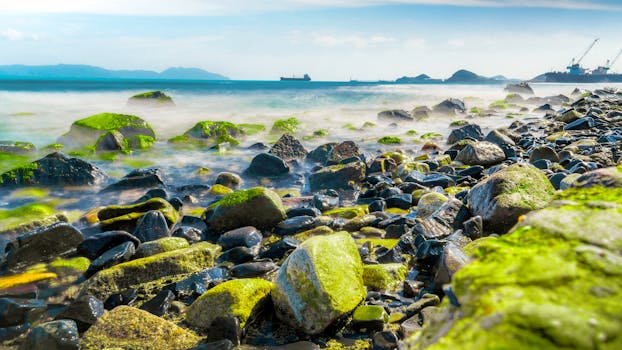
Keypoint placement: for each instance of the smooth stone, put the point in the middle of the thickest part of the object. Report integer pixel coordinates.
(247, 236)
(342, 151)
(543, 152)
(197, 283)
(159, 304)
(481, 153)
(429, 203)
(121, 253)
(450, 106)
(369, 317)
(444, 221)
(85, 311)
(162, 245)
(237, 255)
(581, 124)
(225, 328)
(306, 211)
(401, 201)
(13, 312)
(228, 179)
(340, 176)
(267, 165)
(152, 226)
(295, 225)
(53, 335)
(471, 131)
(95, 245)
(499, 138)
(138, 179)
(125, 297)
(252, 269)
(277, 250)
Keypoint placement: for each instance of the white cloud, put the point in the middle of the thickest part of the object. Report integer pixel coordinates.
(456, 43)
(233, 7)
(15, 35)
(357, 41)
(416, 43)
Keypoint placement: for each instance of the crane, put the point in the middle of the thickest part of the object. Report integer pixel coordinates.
(613, 61)
(604, 69)
(575, 67)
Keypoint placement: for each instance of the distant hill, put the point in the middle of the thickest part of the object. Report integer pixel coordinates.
(465, 76)
(421, 78)
(76, 71)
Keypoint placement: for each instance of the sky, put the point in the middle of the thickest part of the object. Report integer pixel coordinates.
(328, 39)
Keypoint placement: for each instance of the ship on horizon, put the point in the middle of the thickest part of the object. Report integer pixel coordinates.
(305, 77)
(575, 73)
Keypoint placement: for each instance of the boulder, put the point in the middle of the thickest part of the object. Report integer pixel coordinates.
(471, 131)
(343, 150)
(267, 165)
(481, 153)
(242, 298)
(450, 106)
(53, 335)
(320, 282)
(126, 327)
(321, 153)
(258, 207)
(288, 148)
(520, 88)
(126, 217)
(55, 169)
(508, 194)
(339, 176)
(211, 133)
(151, 98)
(85, 311)
(131, 131)
(395, 115)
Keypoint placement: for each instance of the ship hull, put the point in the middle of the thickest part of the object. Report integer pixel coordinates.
(583, 78)
(294, 79)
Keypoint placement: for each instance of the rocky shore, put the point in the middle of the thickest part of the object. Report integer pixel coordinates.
(509, 238)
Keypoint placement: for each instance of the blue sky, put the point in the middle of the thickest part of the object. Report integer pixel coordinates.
(330, 40)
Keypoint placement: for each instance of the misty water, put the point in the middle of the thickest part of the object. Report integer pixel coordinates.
(40, 112)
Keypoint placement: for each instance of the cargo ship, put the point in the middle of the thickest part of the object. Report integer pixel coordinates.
(305, 77)
(575, 73)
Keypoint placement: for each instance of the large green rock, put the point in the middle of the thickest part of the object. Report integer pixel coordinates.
(129, 328)
(109, 132)
(508, 194)
(112, 280)
(151, 98)
(211, 133)
(257, 206)
(320, 282)
(554, 282)
(125, 217)
(241, 298)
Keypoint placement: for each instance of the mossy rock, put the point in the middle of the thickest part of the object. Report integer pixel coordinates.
(129, 328)
(151, 98)
(383, 276)
(257, 206)
(112, 280)
(320, 282)
(289, 125)
(12, 281)
(90, 132)
(166, 244)
(125, 217)
(339, 176)
(241, 298)
(211, 133)
(553, 282)
(16, 147)
(390, 140)
(252, 129)
(348, 212)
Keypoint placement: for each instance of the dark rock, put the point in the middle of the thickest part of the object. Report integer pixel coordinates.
(9, 333)
(253, 269)
(125, 297)
(197, 283)
(97, 244)
(377, 205)
(321, 153)
(13, 147)
(152, 226)
(13, 312)
(369, 317)
(152, 193)
(444, 221)
(395, 115)
(53, 335)
(581, 124)
(435, 179)
(190, 234)
(426, 300)
(303, 211)
(295, 225)
(471, 131)
(237, 255)
(385, 340)
(343, 150)
(451, 261)
(499, 138)
(55, 169)
(84, 311)
(401, 201)
(110, 141)
(224, 344)
(543, 152)
(474, 227)
(288, 148)
(268, 165)
(277, 250)
(341, 176)
(42, 244)
(450, 106)
(241, 237)
(225, 327)
(481, 153)
(520, 88)
(121, 253)
(138, 179)
(160, 304)
(324, 202)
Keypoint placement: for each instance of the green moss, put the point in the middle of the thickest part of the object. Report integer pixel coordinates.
(366, 313)
(475, 110)
(23, 114)
(382, 242)
(157, 96)
(368, 125)
(78, 264)
(137, 163)
(238, 197)
(348, 212)
(212, 131)
(459, 122)
(389, 140)
(129, 328)
(252, 129)
(31, 192)
(140, 142)
(112, 121)
(383, 276)
(10, 218)
(431, 135)
(320, 133)
(411, 133)
(289, 125)
(241, 298)
(120, 216)
(162, 245)
(179, 139)
(54, 147)
(350, 127)
(499, 104)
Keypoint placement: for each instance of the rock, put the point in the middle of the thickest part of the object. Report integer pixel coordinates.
(401, 201)
(15, 147)
(340, 176)
(224, 344)
(520, 88)
(44, 243)
(241, 298)
(252, 269)
(581, 124)
(85, 311)
(125, 217)
(121, 253)
(258, 207)
(55, 169)
(607, 177)
(242, 237)
(151, 98)
(210, 134)
(295, 225)
(508, 194)
(303, 211)
(288, 148)
(450, 106)
(130, 328)
(161, 245)
(383, 276)
(471, 131)
(481, 153)
(132, 273)
(152, 226)
(267, 165)
(227, 328)
(228, 179)
(135, 132)
(53, 335)
(197, 283)
(425, 301)
(138, 179)
(97, 244)
(343, 150)
(278, 250)
(444, 221)
(385, 340)
(429, 203)
(160, 304)
(320, 282)
(369, 318)
(550, 283)
(543, 152)
(395, 115)
(321, 153)
(498, 138)
(452, 260)
(13, 312)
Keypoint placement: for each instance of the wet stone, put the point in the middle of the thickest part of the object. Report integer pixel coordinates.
(137, 179)
(84, 311)
(125, 297)
(53, 335)
(14, 313)
(152, 226)
(268, 165)
(121, 253)
(369, 318)
(237, 255)
(247, 236)
(198, 283)
(295, 225)
(160, 304)
(277, 250)
(225, 328)
(303, 211)
(252, 269)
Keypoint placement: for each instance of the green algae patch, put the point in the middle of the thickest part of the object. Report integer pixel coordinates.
(126, 216)
(220, 190)
(166, 244)
(554, 282)
(430, 135)
(77, 264)
(157, 97)
(210, 133)
(459, 122)
(111, 122)
(383, 276)
(112, 280)
(241, 298)
(388, 243)
(129, 328)
(11, 218)
(252, 129)
(320, 282)
(289, 125)
(348, 212)
(390, 140)
(31, 192)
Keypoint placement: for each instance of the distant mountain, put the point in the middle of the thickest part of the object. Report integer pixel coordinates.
(76, 71)
(465, 76)
(421, 78)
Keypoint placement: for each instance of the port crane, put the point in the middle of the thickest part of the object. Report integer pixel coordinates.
(604, 69)
(575, 68)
